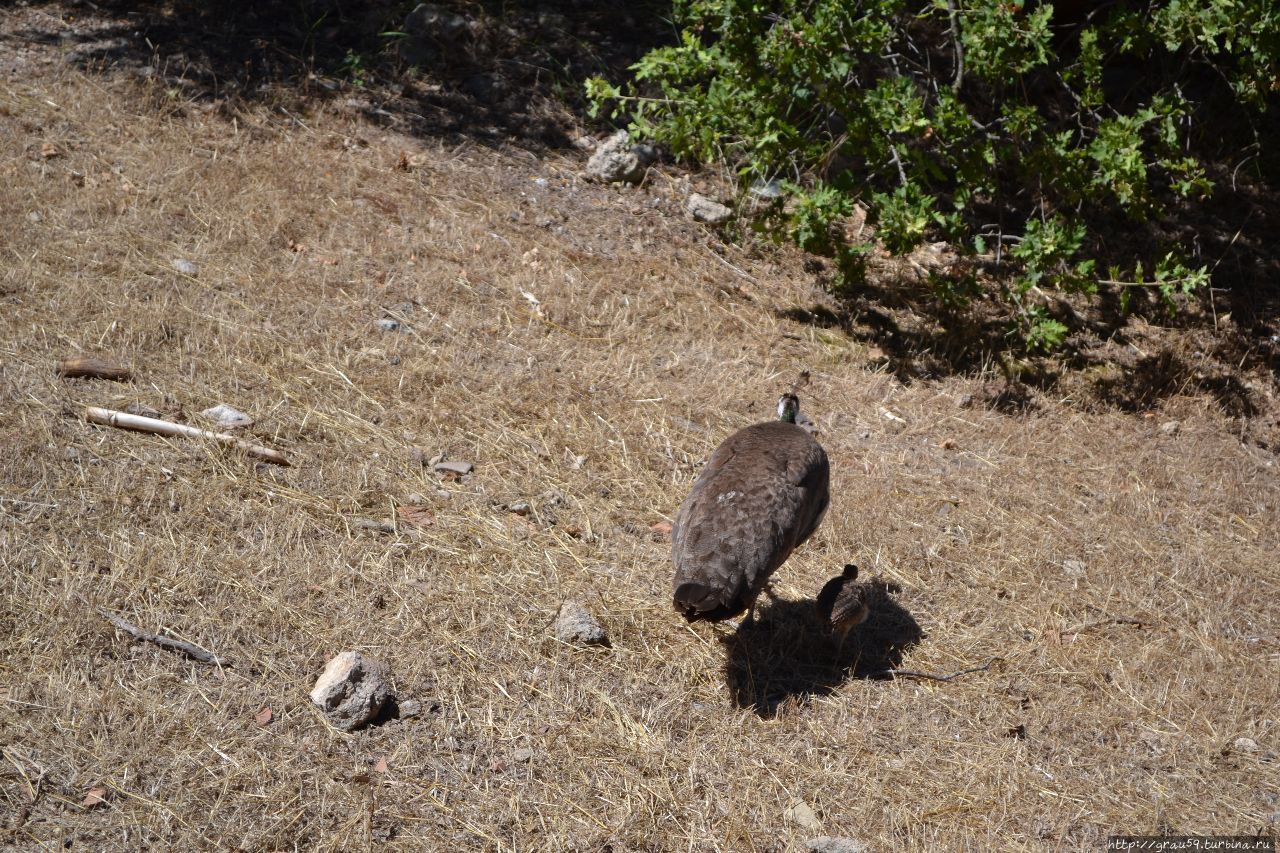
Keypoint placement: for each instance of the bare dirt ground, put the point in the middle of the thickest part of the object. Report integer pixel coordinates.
(586, 348)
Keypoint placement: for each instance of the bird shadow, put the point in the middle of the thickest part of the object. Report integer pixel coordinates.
(787, 655)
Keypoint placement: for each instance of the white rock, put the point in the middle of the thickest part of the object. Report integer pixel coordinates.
(615, 160)
(225, 417)
(185, 267)
(802, 815)
(389, 324)
(832, 844)
(575, 625)
(1246, 744)
(703, 209)
(351, 690)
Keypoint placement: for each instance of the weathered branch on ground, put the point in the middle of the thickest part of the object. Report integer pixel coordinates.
(124, 420)
(163, 642)
(911, 673)
(77, 366)
(1114, 620)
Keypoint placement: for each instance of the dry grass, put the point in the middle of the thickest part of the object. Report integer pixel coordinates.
(1020, 538)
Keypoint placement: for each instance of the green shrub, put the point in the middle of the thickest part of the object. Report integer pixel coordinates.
(945, 117)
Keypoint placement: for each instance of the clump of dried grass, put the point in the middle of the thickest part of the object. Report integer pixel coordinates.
(1027, 539)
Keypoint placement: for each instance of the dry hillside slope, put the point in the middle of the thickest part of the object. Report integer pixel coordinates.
(586, 348)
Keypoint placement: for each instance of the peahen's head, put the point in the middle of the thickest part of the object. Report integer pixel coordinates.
(788, 408)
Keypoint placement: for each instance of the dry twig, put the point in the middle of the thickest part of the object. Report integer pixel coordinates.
(163, 642)
(1114, 620)
(124, 420)
(911, 673)
(76, 366)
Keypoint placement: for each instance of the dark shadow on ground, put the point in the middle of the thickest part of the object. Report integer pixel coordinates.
(494, 72)
(788, 655)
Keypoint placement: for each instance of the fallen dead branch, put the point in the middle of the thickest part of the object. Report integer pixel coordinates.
(1115, 620)
(77, 366)
(163, 642)
(124, 420)
(911, 673)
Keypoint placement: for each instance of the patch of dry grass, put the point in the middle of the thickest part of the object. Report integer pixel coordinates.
(1027, 539)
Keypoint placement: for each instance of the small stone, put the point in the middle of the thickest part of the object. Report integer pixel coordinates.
(703, 209)
(225, 417)
(832, 844)
(34, 217)
(519, 507)
(389, 324)
(1170, 427)
(450, 467)
(185, 267)
(803, 816)
(522, 755)
(575, 625)
(408, 708)
(615, 161)
(351, 690)
(766, 190)
(1245, 744)
(1074, 568)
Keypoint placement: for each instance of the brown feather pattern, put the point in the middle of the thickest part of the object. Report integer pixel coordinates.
(843, 603)
(762, 493)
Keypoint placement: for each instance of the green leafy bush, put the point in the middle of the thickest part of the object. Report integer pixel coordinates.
(991, 124)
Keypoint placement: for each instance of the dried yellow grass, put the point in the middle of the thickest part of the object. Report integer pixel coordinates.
(1027, 539)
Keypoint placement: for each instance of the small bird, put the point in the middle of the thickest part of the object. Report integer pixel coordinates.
(842, 604)
(762, 493)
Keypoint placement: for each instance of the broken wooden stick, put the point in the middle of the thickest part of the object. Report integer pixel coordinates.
(911, 673)
(94, 368)
(124, 420)
(163, 642)
(1113, 620)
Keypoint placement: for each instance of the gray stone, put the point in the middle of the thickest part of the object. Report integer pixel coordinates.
(351, 690)
(766, 190)
(575, 625)
(430, 29)
(389, 324)
(802, 814)
(703, 209)
(225, 417)
(185, 267)
(616, 161)
(1245, 744)
(832, 844)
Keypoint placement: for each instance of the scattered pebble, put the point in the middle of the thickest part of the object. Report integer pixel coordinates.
(617, 161)
(389, 324)
(522, 755)
(1246, 744)
(703, 209)
(450, 467)
(832, 844)
(351, 690)
(1170, 427)
(185, 267)
(225, 417)
(1074, 568)
(766, 190)
(575, 625)
(803, 816)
